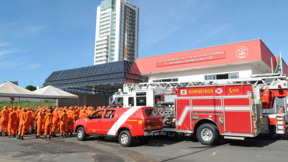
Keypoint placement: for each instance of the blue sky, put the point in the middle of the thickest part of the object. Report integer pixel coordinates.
(38, 37)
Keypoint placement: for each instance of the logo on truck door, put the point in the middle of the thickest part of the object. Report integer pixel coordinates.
(183, 92)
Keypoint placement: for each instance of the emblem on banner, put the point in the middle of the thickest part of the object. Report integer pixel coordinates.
(219, 91)
(242, 52)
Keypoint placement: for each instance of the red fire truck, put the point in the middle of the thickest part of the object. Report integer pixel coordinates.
(211, 110)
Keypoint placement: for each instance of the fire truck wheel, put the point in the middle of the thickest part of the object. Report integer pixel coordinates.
(144, 140)
(207, 134)
(125, 138)
(81, 134)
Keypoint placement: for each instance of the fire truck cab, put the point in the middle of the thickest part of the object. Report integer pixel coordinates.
(233, 109)
(139, 121)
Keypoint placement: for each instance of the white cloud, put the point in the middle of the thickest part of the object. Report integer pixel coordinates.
(3, 44)
(6, 52)
(213, 32)
(9, 64)
(157, 36)
(37, 28)
(33, 66)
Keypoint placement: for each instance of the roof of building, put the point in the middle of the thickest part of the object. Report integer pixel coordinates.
(96, 75)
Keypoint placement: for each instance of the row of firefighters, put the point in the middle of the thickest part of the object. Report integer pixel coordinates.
(19, 120)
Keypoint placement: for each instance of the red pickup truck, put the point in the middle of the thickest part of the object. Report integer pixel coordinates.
(124, 123)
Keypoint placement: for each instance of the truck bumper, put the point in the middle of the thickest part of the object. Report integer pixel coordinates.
(154, 132)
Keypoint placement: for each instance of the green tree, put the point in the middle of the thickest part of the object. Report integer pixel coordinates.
(12, 98)
(31, 87)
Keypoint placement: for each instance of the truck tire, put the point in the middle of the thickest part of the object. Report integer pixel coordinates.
(125, 138)
(207, 134)
(144, 140)
(81, 134)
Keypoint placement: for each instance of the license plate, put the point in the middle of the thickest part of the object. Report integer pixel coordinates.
(156, 134)
(163, 133)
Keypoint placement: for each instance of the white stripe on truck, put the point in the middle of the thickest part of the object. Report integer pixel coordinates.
(122, 120)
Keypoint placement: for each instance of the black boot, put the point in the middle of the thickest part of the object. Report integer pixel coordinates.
(70, 133)
(49, 137)
(9, 136)
(67, 133)
(27, 132)
(22, 138)
(54, 135)
(19, 137)
(33, 131)
(0, 133)
(42, 133)
(6, 133)
(45, 138)
(14, 135)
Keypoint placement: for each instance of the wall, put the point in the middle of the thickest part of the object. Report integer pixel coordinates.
(91, 99)
(244, 71)
(232, 57)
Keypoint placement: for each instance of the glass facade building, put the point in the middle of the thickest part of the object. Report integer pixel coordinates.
(97, 79)
(117, 32)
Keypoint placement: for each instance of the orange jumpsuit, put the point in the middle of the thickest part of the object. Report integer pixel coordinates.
(39, 118)
(83, 115)
(43, 121)
(23, 123)
(63, 122)
(71, 121)
(48, 123)
(29, 120)
(55, 121)
(12, 123)
(4, 120)
(18, 112)
(32, 120)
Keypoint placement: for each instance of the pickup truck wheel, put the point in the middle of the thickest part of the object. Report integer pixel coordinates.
(125, 138)
(81, 134)
(207, 134)
(144, 140)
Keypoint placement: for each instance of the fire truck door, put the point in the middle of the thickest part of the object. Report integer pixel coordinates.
(238, 115)
(94, 123)
(109, 120)
(183, 110)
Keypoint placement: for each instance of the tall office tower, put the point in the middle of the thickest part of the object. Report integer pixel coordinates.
(117, 32)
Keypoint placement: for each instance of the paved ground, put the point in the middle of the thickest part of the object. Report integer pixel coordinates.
(263, 148)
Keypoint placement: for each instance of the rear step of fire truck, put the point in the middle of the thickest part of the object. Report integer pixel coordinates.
(280, 126)
(234, 138)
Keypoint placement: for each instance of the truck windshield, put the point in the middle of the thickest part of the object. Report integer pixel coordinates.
(118, 101)
(151, 112)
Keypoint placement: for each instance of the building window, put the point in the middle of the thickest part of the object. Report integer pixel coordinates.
(166, 80)
(222, 76)
(131, 101)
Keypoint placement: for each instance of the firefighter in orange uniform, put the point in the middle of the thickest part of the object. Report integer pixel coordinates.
(83, 115)
(29, 120)
(280, 110)
(55, 122)
(48, 124)
(71, 121)
(4, 121)
(22, 124)
(12, 123)
(63, 123)
(32, 120)
(18, 112)
(39, 118)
